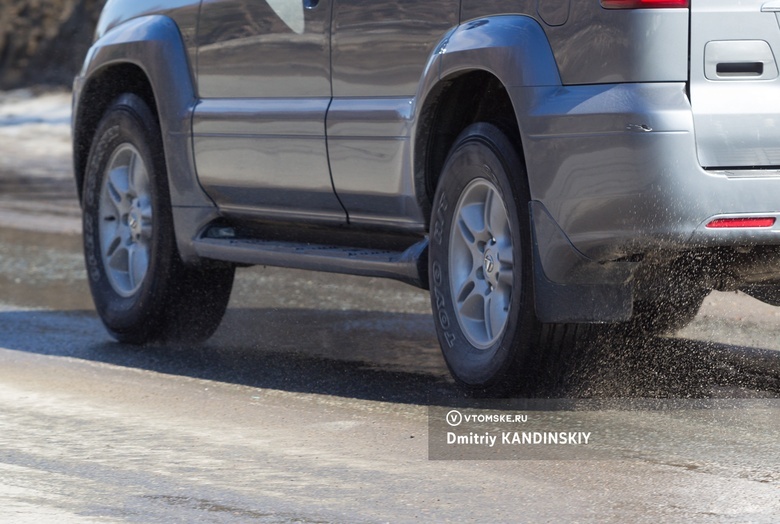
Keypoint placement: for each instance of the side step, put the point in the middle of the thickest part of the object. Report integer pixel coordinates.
(410, 266)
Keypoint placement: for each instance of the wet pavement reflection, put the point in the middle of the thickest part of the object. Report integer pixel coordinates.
(354, 337)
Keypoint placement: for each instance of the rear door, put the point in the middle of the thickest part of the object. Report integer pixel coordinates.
(380, 50)
(735, 87)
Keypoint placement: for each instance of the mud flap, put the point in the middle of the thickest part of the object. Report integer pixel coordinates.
(568, 286)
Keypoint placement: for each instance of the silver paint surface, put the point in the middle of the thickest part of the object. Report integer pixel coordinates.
(737, 116)
(265, 154)
(293, 103)
(247, 49)
(380, 52)
(553, 12)
(597, 45)
(380, 48)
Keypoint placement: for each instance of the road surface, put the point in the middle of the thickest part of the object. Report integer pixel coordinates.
(312, 401)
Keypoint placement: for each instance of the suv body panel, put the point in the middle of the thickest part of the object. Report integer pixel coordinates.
(259, 130)
(609, 136)
(597, 46)
(734, 83)
(380, 52)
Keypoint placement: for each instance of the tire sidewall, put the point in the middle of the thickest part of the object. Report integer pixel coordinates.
(481, 151)
(128, 121)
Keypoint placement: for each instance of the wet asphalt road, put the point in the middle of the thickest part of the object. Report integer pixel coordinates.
(311, 404)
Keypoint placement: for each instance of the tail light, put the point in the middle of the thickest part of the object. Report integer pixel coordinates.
(742, 222)
(643, 4)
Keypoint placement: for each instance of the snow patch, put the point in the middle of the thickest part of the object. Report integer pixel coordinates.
(23, 107)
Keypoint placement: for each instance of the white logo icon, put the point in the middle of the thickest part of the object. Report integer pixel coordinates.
(454, 418)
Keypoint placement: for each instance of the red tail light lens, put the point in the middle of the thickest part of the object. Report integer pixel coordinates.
(742, 222)
(643, 4)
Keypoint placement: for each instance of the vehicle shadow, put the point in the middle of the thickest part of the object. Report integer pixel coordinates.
(380, 356)
(615, 365)
(394, 357)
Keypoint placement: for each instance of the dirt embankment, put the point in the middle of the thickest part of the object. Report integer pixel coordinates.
(44, 41)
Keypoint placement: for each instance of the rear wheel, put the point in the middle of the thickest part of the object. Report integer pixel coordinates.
(142, 290)
(480, 264)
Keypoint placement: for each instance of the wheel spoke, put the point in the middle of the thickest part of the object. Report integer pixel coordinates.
(506, 267)
(112, 246)
(489, 320)
(127, 221)
(118, 258)
(117, 190)
(481, 263)
(131, 255)
(472, 217)
(495, 216)
(467, 238)
(146, 221)
(146, 210)
(469, 286)
(473, 307)
(505, 256)
(138, 178)
(131, 173)
(506, 278)
(109, 233)
(495, 314)
(137, 264)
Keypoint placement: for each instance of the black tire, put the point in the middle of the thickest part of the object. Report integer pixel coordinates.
(142, 290)
(484, 361)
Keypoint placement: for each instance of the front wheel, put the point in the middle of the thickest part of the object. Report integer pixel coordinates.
(142, 290)
(480, 264)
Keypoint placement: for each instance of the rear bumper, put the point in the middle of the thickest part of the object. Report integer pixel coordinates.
(615, 166)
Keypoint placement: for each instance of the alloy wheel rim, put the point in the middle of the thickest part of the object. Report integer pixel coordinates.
(125, 212)
(481, 264)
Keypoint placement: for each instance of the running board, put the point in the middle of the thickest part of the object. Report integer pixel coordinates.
(410, 266)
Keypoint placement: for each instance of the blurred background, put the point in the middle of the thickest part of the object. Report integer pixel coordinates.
(43, 42)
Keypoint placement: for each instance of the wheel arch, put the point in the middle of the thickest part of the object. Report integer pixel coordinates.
(478, 64)
(480, 67)
(100, 91)
(487, 101)
(145, 56)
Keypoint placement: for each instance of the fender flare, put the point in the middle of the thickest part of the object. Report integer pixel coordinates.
(155, 45)
(514, 48)
(568, 287)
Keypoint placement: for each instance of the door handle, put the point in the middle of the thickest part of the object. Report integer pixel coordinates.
(739, 69)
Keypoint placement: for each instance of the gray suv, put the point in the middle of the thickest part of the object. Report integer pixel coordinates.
(539, 165)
